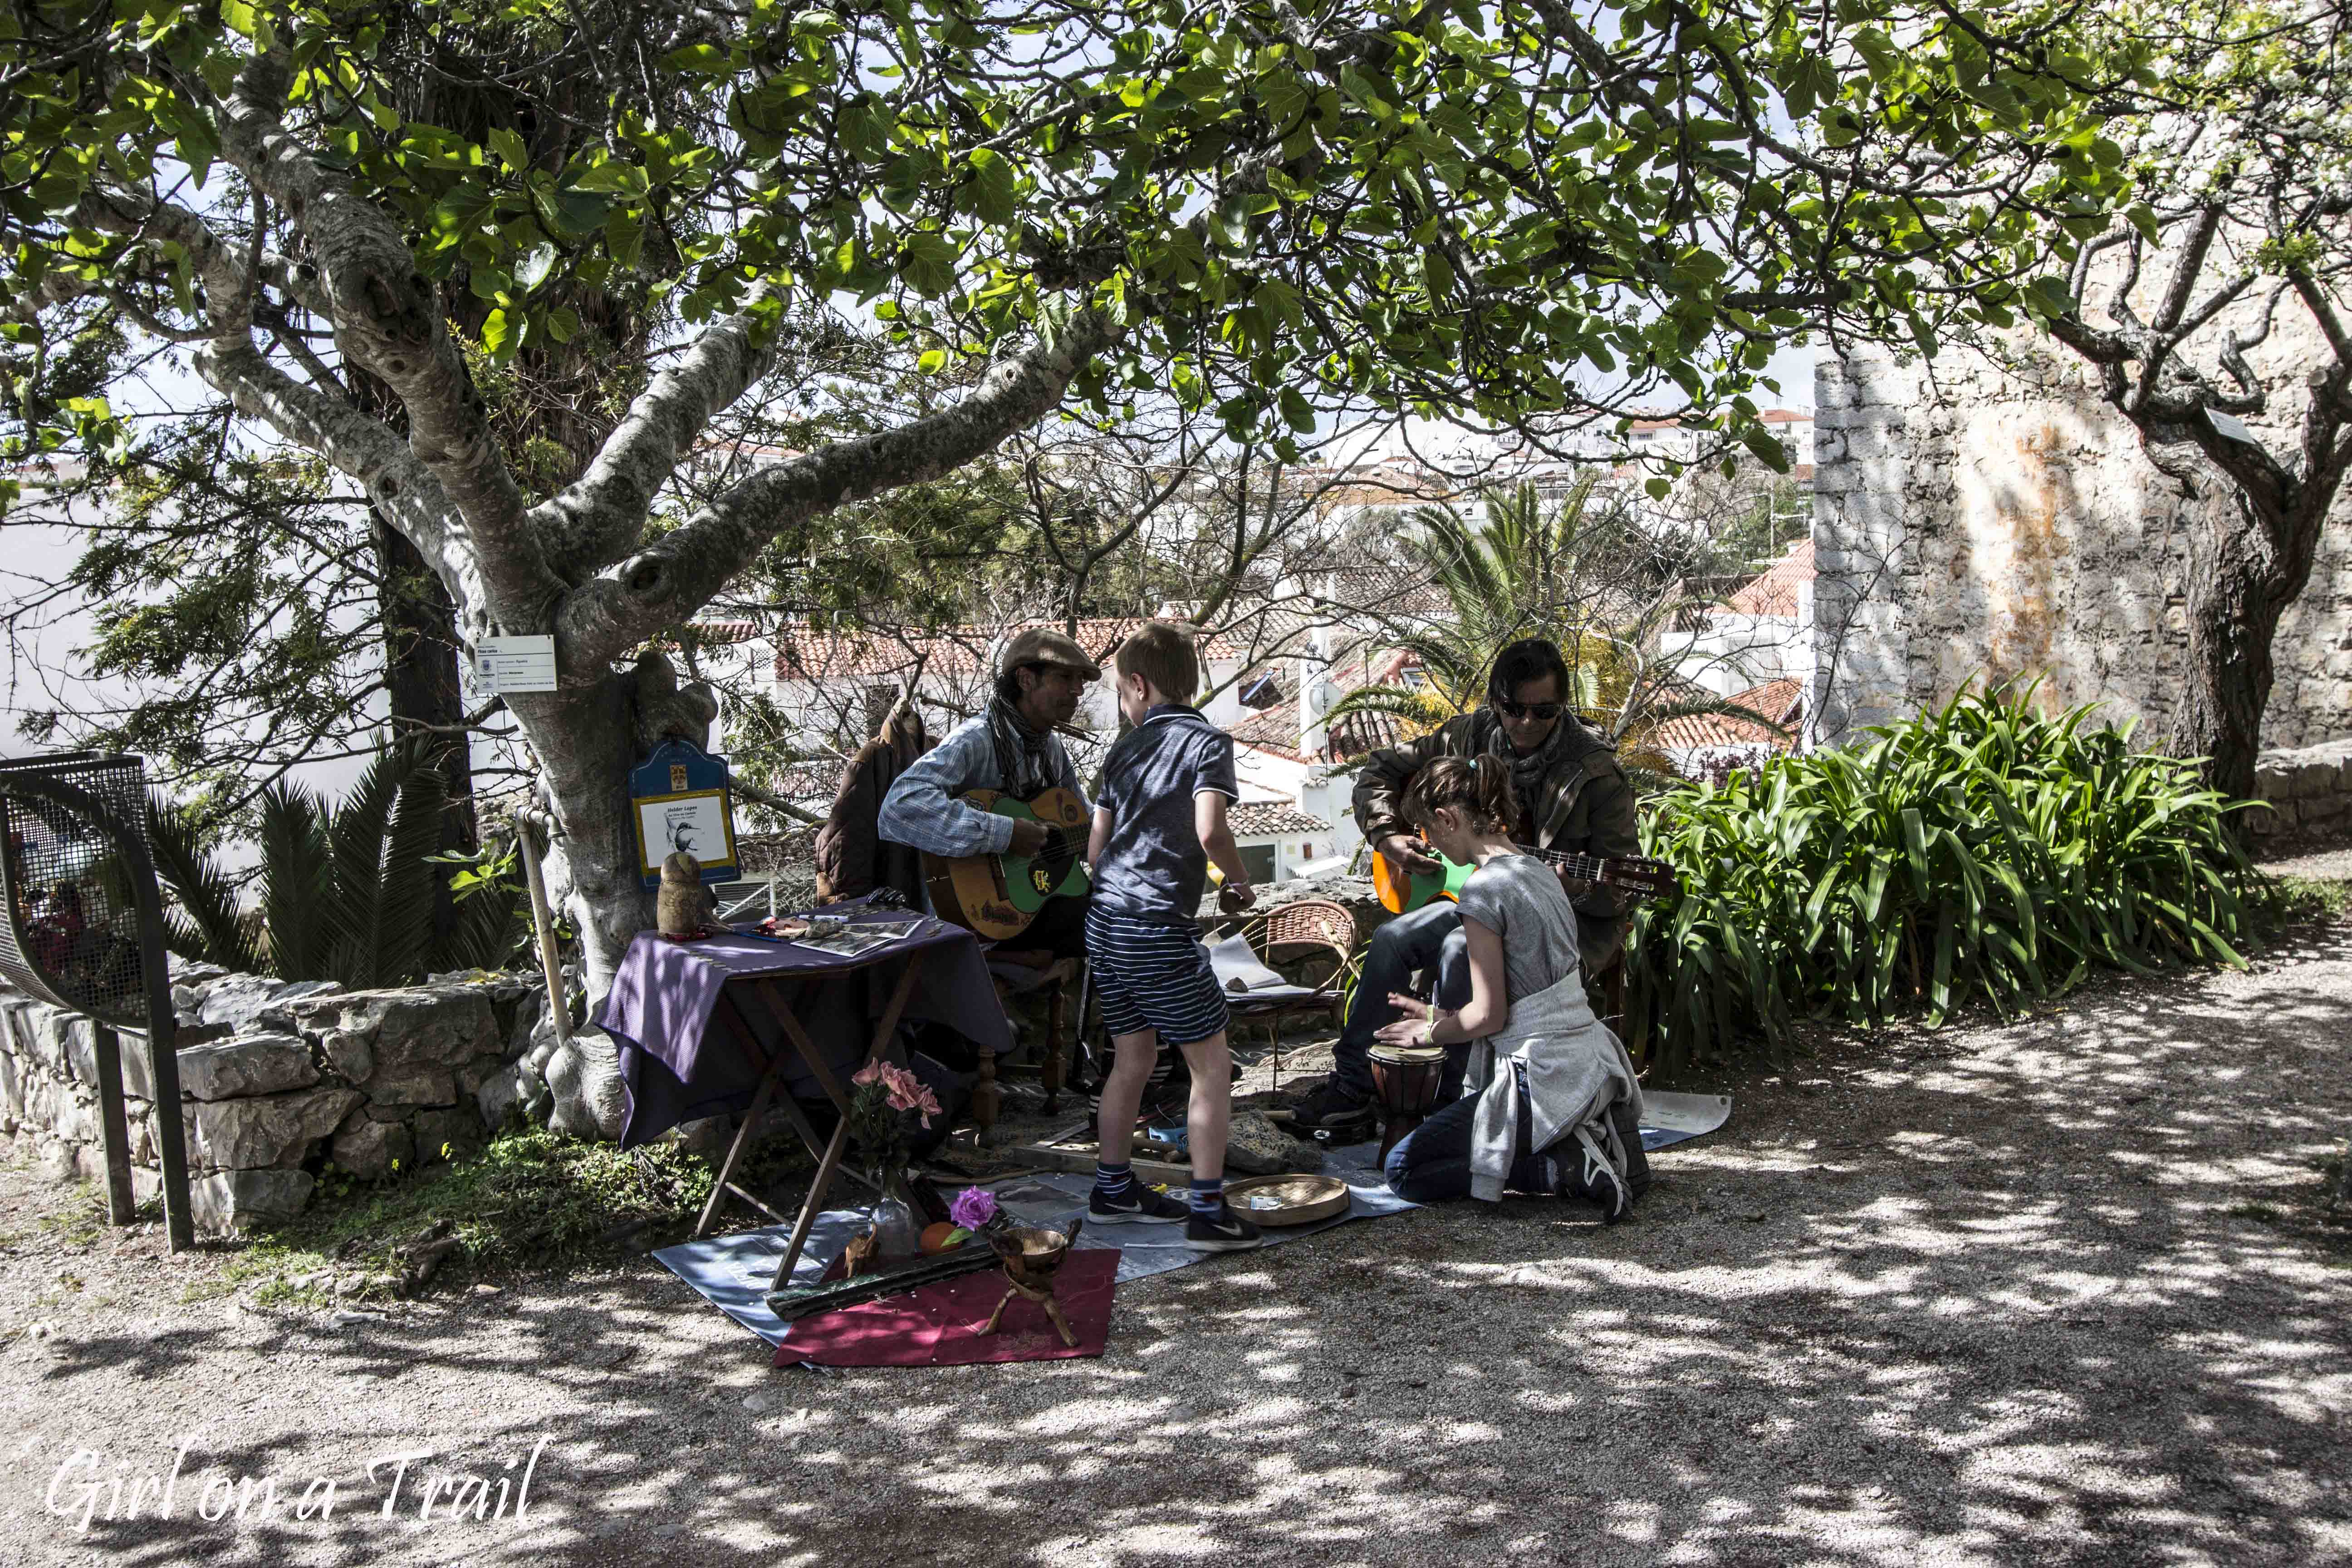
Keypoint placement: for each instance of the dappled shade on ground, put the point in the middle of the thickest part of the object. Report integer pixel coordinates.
(2059, 1292)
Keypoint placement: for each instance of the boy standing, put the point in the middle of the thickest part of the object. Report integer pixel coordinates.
(1159, 822)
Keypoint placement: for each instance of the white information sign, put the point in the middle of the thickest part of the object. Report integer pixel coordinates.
(2229, 428)
(504, 665)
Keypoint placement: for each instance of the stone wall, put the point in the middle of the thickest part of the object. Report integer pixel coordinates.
(1980, 520)
(2309, 789)
(278, 1079)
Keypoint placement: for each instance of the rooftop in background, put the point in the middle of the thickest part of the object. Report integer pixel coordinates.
(1272, 820)
(1775, 592)
(1275, 729)
(1783, 702)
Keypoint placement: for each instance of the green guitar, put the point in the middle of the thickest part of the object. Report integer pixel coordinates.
(996, 895)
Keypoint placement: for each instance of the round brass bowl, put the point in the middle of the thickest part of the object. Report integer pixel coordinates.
(1296, 1200)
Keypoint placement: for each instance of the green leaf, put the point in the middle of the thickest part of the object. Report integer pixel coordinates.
(927, 262)
(511, 150)
(1297, 412)
(995, 197)
(497, 333)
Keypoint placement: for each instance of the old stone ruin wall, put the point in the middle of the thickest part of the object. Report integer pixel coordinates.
(1981, 520)
(278, 1079)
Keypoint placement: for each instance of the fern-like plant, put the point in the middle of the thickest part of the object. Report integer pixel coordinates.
(347, 891)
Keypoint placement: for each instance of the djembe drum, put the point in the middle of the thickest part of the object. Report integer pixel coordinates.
(1406, 1078)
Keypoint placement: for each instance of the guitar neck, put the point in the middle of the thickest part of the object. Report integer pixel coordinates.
(1583, 868)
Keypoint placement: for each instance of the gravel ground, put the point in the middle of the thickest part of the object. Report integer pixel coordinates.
(2064, 1291)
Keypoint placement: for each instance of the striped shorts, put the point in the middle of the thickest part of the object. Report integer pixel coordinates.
(1152, 976)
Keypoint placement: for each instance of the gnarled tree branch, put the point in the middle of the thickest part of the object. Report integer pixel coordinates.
(603, 620)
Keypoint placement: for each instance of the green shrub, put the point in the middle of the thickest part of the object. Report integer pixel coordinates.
(1980, 853)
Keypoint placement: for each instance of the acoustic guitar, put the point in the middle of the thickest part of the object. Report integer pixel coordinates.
(1401, 894)
(996, 895)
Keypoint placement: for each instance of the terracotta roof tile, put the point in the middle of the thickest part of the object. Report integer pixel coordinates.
(808, 654)
(1775, 591)
(1272, 820)
(1780, 700)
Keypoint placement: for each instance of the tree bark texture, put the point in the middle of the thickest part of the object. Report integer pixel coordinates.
(2237, 588)
(420, 684)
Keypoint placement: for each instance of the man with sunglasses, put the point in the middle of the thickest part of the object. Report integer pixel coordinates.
(1572, 797)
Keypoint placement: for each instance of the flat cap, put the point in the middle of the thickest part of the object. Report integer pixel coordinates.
(1043, 645)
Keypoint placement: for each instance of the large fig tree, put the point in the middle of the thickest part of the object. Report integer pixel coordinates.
(1526, 211)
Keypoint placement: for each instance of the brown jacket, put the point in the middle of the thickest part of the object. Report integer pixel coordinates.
(1586, 808)
(852, 858)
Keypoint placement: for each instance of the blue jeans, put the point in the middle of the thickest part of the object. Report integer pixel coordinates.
(1431, 1165)
(1430, 938)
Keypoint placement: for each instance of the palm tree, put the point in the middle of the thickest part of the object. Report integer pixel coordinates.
(347, 890)
(1527, 570)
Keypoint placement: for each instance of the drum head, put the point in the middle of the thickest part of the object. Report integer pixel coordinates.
(1407, 1055)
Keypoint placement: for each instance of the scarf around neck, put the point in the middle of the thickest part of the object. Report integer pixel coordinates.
(1530, 773)
(1024, 756)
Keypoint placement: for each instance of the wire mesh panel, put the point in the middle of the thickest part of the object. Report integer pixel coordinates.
(71, 935)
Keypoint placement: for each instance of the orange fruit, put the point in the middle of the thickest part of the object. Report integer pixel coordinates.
(934, 1237)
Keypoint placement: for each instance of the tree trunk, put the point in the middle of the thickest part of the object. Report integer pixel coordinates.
(421, 684)
(2236, 592)
(585, 738)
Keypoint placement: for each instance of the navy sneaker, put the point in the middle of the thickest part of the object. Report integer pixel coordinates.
(1225, 1231)
(1144, 1205)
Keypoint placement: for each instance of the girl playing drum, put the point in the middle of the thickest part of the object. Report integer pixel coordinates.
(1552, 1103)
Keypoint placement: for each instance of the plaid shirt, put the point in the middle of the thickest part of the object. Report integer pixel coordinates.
(921, 809)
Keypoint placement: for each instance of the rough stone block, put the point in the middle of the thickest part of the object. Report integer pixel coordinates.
(478, 1072)
(348, 1052)
(511, 1089)
(2318, 776)
(51, 1035)
(437, 1025)
(231, 1200)
(273, 1130)
(2320, 809)
(248, 1065)
(235, 999)
(368, 1149)
(451, 1134)
(408, 1085)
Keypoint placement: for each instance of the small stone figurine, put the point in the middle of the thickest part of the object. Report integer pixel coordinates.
(683, 908)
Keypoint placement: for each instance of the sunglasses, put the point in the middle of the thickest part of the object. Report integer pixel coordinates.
(1546, 711)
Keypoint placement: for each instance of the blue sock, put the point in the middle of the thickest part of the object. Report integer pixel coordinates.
(1115, 1182)
(1208, 1196)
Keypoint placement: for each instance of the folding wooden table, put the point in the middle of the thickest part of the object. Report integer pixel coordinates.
(687, 1018)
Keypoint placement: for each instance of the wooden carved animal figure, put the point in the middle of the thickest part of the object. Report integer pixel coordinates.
(683, 907)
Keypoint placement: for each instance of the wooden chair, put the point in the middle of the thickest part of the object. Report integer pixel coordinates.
(1316, 925)
(1054, 979)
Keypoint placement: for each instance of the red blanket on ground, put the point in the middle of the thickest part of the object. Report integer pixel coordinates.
(940, 1325)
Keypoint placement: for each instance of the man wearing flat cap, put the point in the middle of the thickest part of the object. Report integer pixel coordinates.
(1010, 747)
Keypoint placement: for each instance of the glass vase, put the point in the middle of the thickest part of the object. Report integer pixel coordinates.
(895, 1234)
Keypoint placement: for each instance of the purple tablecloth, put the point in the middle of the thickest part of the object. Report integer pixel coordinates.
(679, 1065)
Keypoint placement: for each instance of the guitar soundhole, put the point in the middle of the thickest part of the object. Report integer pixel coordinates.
(1053, 862)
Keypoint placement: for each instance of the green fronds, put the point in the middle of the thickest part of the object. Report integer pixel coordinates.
(1982, 853)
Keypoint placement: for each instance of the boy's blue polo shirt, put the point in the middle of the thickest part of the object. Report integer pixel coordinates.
(1152, 866)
